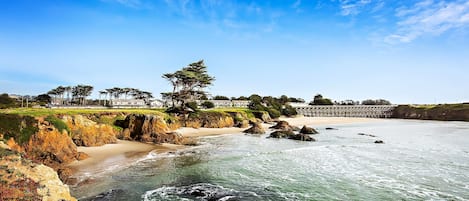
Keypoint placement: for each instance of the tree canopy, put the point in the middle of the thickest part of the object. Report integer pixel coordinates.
(188, 83)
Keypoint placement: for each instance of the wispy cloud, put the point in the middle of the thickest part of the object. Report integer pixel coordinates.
(127, 3)
(353, 7)
(429, 18)
(235, 19)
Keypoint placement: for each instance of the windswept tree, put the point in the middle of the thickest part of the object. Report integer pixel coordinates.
(80, 92)
(188, 83)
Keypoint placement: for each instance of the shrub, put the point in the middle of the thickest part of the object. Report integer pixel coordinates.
(176, 110)
(273, 113)
(289, 111)
(192, 105)
(58, 123)
(20, 128)
(207, 104)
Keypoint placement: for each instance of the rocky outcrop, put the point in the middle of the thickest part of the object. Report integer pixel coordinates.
(21, 179)
(447, 112)
(255, 129)
(308, 130)
(282, 134)
(148, 128)
(209, 119)
(379, 142)
(88, 133)
(52, 148)
(302, 137)
(283, 126)
(262, 115)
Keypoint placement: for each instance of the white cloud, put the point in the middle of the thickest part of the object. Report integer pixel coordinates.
(429, 18)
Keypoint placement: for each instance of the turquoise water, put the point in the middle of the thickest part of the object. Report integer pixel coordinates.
(420, 160)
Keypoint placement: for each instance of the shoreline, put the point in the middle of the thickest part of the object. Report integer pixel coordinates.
(113, 156)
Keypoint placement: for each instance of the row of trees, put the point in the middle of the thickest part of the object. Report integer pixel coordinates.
(117, 93)
(74, 94)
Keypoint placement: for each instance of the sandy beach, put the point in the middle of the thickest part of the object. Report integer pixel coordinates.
(110, 156)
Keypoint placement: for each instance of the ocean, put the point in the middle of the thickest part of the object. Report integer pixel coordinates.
(419, 160)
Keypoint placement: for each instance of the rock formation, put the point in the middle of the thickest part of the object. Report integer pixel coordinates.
(148, 128)
(89, 133)
(283, 126)
(308, 130)
(21, 179)
(301, 137)
(209, 119)
(255, 129)
(282, 134)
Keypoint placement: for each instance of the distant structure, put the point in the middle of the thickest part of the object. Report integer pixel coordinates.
(226, 103)
(368, 111)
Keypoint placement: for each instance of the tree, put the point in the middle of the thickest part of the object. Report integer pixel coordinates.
(6, 101)
(188, 83)
(207, 104)
(218, 97)
(80, 92)
(376, 102)
(43, 99)
(319, 100)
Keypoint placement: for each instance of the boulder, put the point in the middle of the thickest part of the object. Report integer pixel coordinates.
(308, 130)
(379, 142)
(243, 124)
(302, 137)
(282, 134)
(283, 126)
(255, 129)
(330, 128)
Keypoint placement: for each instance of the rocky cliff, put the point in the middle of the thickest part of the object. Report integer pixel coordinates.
(446, 112)
(148, 128)
(22, 179)
(86, 132)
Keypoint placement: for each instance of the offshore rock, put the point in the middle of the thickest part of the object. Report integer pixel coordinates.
(21, 179)
(283, 126)
(255, 129)
(282, 134)
(308, 130)
(302, 137)
(149, 128)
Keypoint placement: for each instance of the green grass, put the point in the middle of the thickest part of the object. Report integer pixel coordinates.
(247, 111)
(441, 106)
(17, 127)
(42, 112)
(58, 123)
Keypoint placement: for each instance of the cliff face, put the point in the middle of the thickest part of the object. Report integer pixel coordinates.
(21, 179)
(86, 132)
(209, 120)
(148, 128)
(453, 112)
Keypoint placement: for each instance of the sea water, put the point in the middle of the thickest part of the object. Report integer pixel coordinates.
(419, 160)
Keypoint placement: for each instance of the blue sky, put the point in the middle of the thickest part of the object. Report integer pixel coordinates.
(409, 51)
